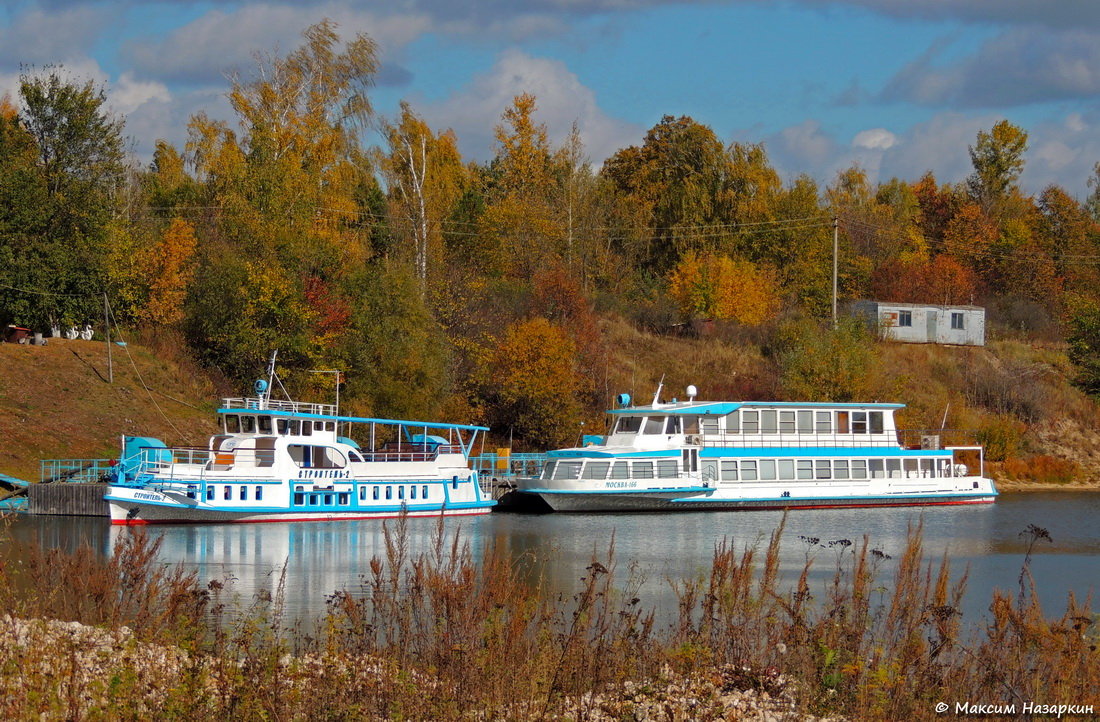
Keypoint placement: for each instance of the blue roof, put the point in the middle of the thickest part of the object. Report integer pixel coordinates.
(721, 408)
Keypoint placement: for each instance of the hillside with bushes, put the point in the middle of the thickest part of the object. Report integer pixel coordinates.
(525, 291)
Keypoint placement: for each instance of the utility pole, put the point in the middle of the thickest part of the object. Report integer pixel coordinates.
(107, 330)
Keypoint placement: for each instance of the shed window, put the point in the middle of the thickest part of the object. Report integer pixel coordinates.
(905, 318)
(957, 321)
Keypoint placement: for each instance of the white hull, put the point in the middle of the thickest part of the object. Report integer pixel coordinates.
(588, 502)
(130, 506)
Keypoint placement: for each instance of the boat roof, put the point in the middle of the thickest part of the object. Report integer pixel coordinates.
(721, 408)
(304, 410)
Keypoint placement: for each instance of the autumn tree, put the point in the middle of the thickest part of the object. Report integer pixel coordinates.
(289, 188)
(169, 270)
(998, 160)
(715, 286)
(64, 173)
(670, 189)
(519, 211)
(530, 384)
(817, 363)
(426, 178)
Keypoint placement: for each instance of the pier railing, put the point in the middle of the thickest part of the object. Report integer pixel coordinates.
(88, 471)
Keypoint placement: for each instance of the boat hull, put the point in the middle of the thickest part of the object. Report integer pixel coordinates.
(640, 502)
(127, 508)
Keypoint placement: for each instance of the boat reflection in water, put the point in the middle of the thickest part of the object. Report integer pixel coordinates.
(324, 557)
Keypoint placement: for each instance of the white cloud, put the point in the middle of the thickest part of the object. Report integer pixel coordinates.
(561, 98)
(874, 139)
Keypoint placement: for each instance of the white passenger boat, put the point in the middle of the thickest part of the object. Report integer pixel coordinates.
(290, 461)
(688, 455)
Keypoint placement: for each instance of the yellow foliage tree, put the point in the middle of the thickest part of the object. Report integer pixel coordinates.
(533, 382)
(168, 270)
(717, 286)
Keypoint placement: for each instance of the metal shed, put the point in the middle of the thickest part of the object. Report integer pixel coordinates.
(924, 323)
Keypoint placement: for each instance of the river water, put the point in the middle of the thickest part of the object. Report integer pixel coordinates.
(323, 557)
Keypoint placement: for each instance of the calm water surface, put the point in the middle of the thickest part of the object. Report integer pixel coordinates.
(323, 557)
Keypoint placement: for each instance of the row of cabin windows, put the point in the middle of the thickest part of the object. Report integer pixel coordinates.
(759, 421)
(660, 469)
(823, 469)
(376, 494)
(246, 424)
(227, 493)
(342, 498)
(791, 421)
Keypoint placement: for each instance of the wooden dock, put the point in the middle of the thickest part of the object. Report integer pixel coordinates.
(68, 499)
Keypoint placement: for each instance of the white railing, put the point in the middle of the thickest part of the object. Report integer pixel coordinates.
(256, 403)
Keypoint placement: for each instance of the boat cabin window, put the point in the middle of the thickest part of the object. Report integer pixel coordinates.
(568, 470)
(805, 469)
(824, 422)
(354, 456)
(620, 470)
(733, 423)
(330, 426)
(643, 469)
(786, 422)
(666, 469)
(654, 424)
(307, 427)
(876, 422)
(259, 493)
(805, 422)
(729, 471)
(424, 495)
(748, 471)
(840, 469)
(548, 470)
(672, 425)
(227, 494)
(412, 492)
(596, 469)
(210, 493)
(232, 424)
(709, 424)
(750, 422)
(248, 424)
(690, 424)
(878, 468)
(264, 424)
(768, 423)
(628, 425)
(244, 493)
(295, 427)
(316, 457)
(786, 469)
(767, 469)
(859, 468)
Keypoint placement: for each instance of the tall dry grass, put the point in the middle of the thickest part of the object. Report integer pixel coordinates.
(450, 635)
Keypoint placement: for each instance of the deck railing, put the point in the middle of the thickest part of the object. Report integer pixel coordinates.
(255, 403)
(79, 470)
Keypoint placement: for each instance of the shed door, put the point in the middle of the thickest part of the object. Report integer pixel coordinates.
(932, 323)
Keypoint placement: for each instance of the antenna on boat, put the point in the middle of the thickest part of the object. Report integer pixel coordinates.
(660, 385)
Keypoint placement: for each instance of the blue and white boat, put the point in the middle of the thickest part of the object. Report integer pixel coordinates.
(688, 455)
(276, 460)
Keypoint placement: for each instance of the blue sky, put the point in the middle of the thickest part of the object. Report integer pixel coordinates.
(898, 86)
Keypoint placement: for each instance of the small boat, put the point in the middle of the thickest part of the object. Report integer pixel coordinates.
(276, 460)
(688, 455)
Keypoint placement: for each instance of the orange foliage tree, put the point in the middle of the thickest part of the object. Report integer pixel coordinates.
(169, 270)
(532, 384)
(717, 286)
(941, 280)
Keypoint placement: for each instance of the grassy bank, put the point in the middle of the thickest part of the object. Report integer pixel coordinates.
(447, 636)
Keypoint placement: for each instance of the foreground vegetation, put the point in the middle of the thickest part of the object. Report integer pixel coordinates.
(447, 636)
